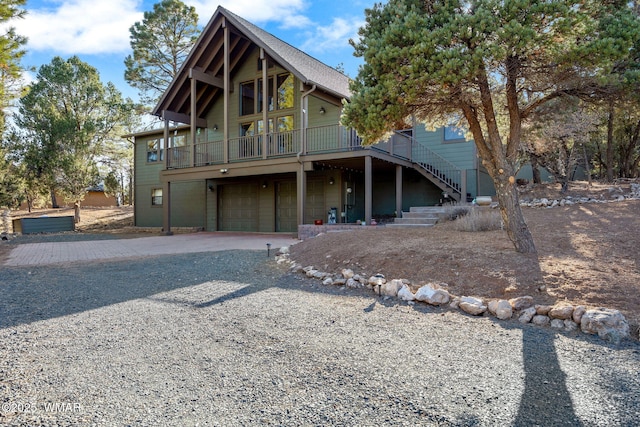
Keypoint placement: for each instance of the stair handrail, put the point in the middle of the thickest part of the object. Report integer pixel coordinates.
(442, 169)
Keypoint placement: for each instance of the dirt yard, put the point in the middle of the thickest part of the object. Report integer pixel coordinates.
(587, 253)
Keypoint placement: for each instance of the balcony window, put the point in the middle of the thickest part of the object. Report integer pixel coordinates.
(285, 91)
(247, 98)
(269, 94)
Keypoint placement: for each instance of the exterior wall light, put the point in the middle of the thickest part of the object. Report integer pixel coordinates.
(322, 110)
(224, 170)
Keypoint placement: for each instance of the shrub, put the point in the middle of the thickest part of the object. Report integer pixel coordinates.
(455, 211)
(479, 219)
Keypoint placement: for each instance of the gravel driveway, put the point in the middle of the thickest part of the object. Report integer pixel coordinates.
(230, 339)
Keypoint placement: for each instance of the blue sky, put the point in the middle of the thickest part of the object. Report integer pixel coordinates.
(98, 30)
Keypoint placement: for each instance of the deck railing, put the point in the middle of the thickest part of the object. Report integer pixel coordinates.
(209, 149)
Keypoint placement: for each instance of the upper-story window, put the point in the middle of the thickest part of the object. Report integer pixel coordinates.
(285, 91)
(280, 94)
(247, 98)
(179, 141)
(155, 150)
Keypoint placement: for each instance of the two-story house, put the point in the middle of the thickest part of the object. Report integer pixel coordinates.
(252, 142)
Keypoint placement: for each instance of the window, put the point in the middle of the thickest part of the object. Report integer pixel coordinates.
(261, 126)
(247, 98)
(156, 197)
(280, 94)
(269, 95)
(247, 129)
(179, 140)
(285, 91)
(453, 134)
(155, 150)
(285, 124)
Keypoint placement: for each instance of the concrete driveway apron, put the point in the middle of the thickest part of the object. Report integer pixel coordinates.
(94, 250)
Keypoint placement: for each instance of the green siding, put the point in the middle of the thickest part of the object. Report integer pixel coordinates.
(188, 201)
(461, 154)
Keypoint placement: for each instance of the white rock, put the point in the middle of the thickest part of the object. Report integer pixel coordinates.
(455, 303)
(543, 310)
(521, 303)
(472, 305)
(561, 311)
(527, 315)
(391, 288)
(327, 281)
(283, 250)
(347, 273)
(377, 280)
(352, 283)
(433, 296)
(405, 294)
(501, 309)
(311, 273)
(540, 320)
(578, 313)
(607, 323)
(340, 282)
(320, 275)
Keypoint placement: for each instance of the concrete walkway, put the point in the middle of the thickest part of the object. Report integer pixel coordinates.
(62, 252)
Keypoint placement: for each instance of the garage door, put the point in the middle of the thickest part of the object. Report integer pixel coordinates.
(238, 207)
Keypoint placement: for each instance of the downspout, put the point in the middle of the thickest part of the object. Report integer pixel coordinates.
(304, 121)
(301, 181)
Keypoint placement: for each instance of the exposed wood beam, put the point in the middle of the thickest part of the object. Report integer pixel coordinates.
(205, 78)
(183, 118)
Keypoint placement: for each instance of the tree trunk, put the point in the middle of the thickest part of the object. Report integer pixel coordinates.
(535, 168)
(54, 201)
(511, 212)
(610, 143)
(76, 212)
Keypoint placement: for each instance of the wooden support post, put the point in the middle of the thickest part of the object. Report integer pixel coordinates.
(301, 188)
(194, 117)
(166, 208)
(398, 191)
(226, 82)
(368, 189)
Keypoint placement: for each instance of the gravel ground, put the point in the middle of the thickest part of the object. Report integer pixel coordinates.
(229, 339)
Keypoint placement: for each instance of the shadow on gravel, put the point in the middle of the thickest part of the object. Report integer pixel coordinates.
(31, 294)
(546, 399)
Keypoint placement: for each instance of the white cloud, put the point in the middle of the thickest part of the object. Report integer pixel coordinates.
(333, 36)
(81, 26)
(287, 12)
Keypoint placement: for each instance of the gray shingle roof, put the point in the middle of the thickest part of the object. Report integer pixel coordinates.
(304, 66)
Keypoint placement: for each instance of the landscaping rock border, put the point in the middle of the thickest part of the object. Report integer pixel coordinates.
(608, 324)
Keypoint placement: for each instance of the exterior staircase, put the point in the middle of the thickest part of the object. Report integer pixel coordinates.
(420, 216)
